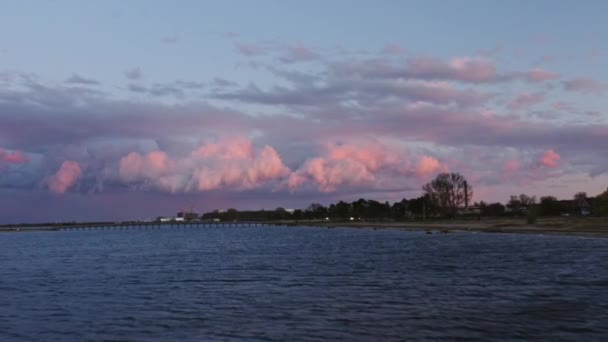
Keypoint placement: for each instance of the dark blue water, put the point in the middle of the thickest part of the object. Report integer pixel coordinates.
(300, 284)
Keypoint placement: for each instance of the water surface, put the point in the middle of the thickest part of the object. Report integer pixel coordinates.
(270, 283)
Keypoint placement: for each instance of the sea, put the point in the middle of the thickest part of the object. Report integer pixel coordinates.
(300, 284)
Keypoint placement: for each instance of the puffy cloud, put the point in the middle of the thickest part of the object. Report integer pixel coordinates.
(550, 159)
(65, 178)
(227, 164)
(15, 157)
(428, 166)
(370, 165)
(150, 166)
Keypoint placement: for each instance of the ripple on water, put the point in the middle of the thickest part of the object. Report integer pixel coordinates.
(300, 283)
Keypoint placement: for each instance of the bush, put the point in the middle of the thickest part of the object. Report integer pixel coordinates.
(532, 215)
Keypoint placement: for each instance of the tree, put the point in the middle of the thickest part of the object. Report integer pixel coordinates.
(281, 214)
(550, 206)
(581, 205)
(492, 209)
(343, 210)
(298, 214)
(360, 208)
(600, 204)
(521, 203)
(448, 191)
(400, 210)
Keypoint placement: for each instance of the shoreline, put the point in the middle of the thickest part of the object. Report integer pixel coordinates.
(587, 227)
(462, 227)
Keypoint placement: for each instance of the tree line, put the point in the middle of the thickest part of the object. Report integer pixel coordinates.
(448, 195)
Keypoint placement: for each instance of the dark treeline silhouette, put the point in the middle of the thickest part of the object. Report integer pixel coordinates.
(362, 209)
(424, 207)
(448, 195)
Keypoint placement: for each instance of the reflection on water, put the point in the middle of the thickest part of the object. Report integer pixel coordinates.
(300, 283)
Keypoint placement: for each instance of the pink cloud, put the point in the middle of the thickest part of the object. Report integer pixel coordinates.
(246, 173)
(550, 159)
(151, 165)
(65, 178)
(525, 100)
(428, 166)
(585, 85)
(229, 164)
(343, 165)
(511, 166)
(15, 157)
(539, 75)
(359, 165)
(236, 149)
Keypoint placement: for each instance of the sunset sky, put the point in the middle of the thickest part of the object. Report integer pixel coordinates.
(134, 109)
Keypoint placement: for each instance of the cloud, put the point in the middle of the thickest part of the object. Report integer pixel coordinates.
(550, 159)
(65, 178)
(429, 122)
(360, 166)
(15, 157)
(539, 75)
(158, 89)
(190, 84)
(221, 82)
(464, 69)
(428, 166)
(41, 117)
(393, 49)
(585, 85)
(340, 90)
(525, 100)
(299, 53)
(512, 166)
(228, 164)
(461, 69)
(134, 74)
(249, 49)
(77, 79)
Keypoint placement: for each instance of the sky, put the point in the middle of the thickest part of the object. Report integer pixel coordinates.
(113, 110)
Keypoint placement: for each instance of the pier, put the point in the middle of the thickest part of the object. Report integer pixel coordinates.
(130, 225)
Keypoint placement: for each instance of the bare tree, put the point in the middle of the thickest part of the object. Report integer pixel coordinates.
(448, 191)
